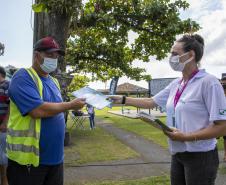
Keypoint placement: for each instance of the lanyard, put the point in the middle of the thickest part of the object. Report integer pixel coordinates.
(180, 90)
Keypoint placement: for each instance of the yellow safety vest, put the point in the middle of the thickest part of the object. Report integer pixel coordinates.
(23, 132)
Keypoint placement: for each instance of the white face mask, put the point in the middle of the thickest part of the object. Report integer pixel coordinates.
(175, 63)
(49, 65)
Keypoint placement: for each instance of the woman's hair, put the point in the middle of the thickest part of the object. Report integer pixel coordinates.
(195, 43)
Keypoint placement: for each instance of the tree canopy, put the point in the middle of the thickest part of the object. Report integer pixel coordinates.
(98, 34)
(78, 82)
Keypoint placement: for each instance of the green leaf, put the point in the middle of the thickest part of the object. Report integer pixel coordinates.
(41, 7)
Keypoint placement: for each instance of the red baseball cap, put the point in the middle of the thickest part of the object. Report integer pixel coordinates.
(48, 44)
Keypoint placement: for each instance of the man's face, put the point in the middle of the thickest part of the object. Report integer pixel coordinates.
(2, 78)
(223, 82)
(46, 61)
(42, 55)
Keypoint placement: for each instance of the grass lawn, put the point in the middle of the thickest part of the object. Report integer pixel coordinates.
(220, 144)
(134, 125)
(162, 180)
(139, 127)
(97, 146)
(94, 146)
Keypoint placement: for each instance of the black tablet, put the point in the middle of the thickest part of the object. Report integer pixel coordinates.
(154, 121)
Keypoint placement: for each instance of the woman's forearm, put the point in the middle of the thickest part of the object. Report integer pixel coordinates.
(145, 103)
(218, 129)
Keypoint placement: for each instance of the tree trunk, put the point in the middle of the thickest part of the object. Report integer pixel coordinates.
(55, 25)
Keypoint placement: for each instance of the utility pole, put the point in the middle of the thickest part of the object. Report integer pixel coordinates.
(2, 49)
(41, 28)
(55, 24)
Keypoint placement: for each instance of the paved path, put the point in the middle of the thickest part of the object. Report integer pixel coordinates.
(124, 169)
(154, 161)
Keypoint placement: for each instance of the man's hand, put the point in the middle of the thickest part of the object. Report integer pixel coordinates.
(77, 103)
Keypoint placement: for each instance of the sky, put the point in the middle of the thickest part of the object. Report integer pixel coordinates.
(17, 34)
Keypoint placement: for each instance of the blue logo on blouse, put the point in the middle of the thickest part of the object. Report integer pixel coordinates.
(182, 101)
(222, 111)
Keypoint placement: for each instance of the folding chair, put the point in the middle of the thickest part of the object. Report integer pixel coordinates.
(78, 121)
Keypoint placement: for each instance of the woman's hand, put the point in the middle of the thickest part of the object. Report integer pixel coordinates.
(116, 99)
(177, 135)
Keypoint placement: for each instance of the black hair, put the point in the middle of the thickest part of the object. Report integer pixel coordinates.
(193, 42)
(2, 72)
(223, 78)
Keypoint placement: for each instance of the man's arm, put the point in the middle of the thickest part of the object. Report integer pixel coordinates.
(51, 109)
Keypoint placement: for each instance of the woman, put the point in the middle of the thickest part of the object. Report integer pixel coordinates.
(196, 109)
(223, 82)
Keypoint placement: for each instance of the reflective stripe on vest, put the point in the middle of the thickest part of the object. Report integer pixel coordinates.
(24, 148)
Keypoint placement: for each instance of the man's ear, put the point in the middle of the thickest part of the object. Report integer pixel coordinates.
(37, 56)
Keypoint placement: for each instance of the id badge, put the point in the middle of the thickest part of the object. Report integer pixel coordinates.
(174, 121)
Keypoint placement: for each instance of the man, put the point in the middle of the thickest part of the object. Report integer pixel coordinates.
(223, 82)
(91, 112)
(4, 104)
(35, 138)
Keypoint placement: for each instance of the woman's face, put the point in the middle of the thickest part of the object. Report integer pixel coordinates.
(177, 49)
